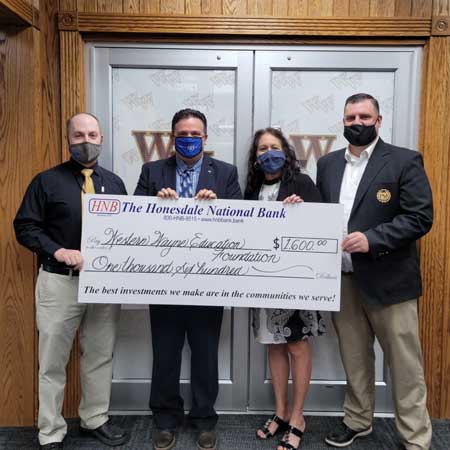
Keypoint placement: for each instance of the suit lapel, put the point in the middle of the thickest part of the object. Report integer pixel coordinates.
(284, 191)
(170, 173)
(377, 161)
(336, 177)
(207, 179)
(254, 195)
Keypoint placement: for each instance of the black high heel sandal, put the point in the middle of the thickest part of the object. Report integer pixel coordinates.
(282, 426)
(284, 442)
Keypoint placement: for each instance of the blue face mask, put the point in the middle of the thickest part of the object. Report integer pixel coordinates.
(188, 146)
(271, 161)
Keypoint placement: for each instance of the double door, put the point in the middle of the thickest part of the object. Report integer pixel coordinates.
(135, 90)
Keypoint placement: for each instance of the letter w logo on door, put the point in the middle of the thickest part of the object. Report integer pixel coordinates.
(160, 143)
(314, 148)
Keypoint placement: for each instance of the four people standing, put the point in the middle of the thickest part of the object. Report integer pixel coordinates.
(387, 204)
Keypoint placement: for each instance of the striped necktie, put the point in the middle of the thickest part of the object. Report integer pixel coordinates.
(186, 186)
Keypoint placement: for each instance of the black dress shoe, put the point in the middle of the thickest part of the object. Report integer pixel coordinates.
(52, 446)
(163, 439)
(107, 433)
(345, 436)
(207, 440)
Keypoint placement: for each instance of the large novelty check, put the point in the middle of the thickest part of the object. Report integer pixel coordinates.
(220, 252)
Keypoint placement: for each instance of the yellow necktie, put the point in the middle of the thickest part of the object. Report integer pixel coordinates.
(88, 185)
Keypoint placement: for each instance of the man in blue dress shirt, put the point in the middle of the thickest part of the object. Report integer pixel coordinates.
(189, 173)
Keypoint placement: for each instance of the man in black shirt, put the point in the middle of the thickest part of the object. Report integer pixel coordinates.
(49, 223)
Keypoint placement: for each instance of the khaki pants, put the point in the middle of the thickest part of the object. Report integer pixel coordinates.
(58, 317)
(396, 327)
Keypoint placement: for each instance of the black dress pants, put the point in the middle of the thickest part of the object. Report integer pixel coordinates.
(170, 324)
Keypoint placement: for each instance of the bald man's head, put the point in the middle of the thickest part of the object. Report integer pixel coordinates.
(83, 127)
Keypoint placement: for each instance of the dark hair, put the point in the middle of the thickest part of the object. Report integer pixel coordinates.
(69, 122)
(185, 114)
(357, 98)
(255, 175)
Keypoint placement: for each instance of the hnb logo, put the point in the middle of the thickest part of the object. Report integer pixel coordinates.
(104, 206)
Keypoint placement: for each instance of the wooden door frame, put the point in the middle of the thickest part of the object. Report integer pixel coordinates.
(75, 28)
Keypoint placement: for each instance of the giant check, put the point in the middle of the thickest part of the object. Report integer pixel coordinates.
(218, 252)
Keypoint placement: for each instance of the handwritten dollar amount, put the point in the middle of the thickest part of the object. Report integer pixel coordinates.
(305, 245)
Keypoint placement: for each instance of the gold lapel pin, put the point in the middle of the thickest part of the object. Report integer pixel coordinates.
(383, 195)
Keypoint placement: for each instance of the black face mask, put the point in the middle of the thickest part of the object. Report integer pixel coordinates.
(360, 135)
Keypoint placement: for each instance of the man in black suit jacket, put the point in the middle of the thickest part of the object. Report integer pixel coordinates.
(189, 171)
(388, 206)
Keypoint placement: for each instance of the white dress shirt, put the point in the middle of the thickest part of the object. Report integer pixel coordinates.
(354, 170)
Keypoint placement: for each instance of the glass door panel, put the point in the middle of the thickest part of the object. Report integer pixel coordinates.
(135, 92)
(303, 91)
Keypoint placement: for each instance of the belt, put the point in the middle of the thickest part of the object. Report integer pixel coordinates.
(60, 270)
(347, 273)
